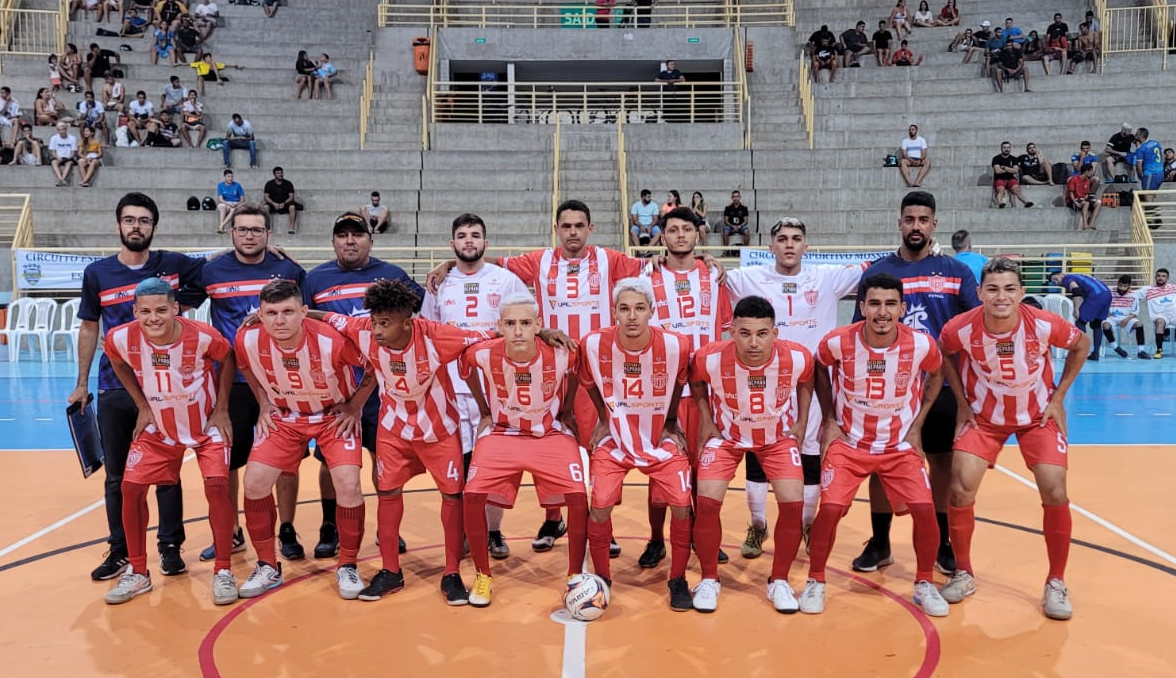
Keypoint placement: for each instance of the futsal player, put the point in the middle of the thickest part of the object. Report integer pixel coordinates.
(1124, 316)
(1092, 303)
(1161, 307)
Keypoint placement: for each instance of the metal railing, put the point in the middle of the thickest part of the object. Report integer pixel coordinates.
(365, 99)
(16, 226)
(804, 90)
(583, 15)
(741, 77)
(32, 31)
(555, 149)
(1127, 30)
(1153, 216)
(1105, 261)
(623, 182)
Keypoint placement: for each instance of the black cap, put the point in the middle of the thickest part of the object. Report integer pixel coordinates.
(350, 221)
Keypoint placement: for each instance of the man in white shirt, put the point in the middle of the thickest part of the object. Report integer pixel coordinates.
(377, 215)
(140, 111)
(913, 152)
(93, 113)
(173, 96)
(206, 15)
(642, 227)
(63, 148)
(9, 113)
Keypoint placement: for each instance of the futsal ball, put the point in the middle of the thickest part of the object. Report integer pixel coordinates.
(587, 597)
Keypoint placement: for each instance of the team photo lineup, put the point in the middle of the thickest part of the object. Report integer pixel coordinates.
(576, 364)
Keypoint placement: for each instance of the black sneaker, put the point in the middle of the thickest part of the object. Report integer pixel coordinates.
(291, 549)
(113, 564)
(328, 544)
(1093, 357)
(654, 552)
(872, 558)
(499, 550)
(170, 562)
(549, 531)
(401, 546)
(723, 557)
(945, 559)
(1120, 352)
(455, 590)
(238, 546)
(385, 582)
(680, 598)
(614, 549)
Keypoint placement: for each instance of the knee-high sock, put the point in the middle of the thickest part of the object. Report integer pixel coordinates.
(1139, 338)
(1057, 525)
(260, 515)
(821, 538)
(708, 532)
(599, 536)
(680, 534)
(962, 522)
(135, 515)
(330, 510)
(454, 526)
(350, 521)
(812, 497)
(477, 530)
(1097, 343)
(389, 514)
(220, 518)
(926, 539)
(757, 501)
(657, 519)
(577, 531)
(879, 529)
(786, 537)
(553, 515)
(1109, 333)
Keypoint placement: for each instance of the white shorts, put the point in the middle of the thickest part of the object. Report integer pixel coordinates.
(1116, 320)
(467, 426)
(1168, 314)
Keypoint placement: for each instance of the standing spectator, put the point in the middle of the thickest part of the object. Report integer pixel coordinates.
(604, 10)
(644, 11)
(670, 77)
(881, 42)
(735, 217)
(698, 207)
(98, 63)
(1081, 197)
(1149, 163)
(92, 114)
(279, 197)
(27, 149)
(229, 195)
(961, 242)
(855, 43)
(192, 121)
(1035, 169)
(114, 94)
(1085, 49)
(913, 152)
(904, 57)
(322, 77)
(377, 215)
(270, 7)
(949, 15)
(240, 135)
(173, 96)
(1116, 162)
(164, 45)
(63, 148)
(89, 156)
(141, 110)
(643, 229)
(923, 16)
(1011, 66)
(1057, 48)
(1004, 176)
(304, 68)
(1092, 304)
(900, 20)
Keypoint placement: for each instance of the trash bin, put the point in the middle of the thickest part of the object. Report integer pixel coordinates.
(420, 55)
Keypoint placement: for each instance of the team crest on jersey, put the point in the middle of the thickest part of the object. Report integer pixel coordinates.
(423, 376)
(682, 287)
(810, 297)
(826, 477)
(186, 371)
(594, 279)
(788, 288)
(632, 369)
(471, 288)
(133, 458)
(548, 389)
(782, 394)
(522, 378)
(705, 298)
(902, 379)
(757, 381)
(706, 458)
(398, 367)
(659, 380)
(936, 283)
(1005, 347)
(290, 363)
(318, 376)
(493, 300)
(876, 366)
(160, 360)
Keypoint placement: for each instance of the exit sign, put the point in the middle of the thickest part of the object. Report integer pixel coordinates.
(691, 39)
(479, 41)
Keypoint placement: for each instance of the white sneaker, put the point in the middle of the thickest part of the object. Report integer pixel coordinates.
(1055, 601)
(812, 598)
(961, 585)
(129, 585)
(706, 595)
(927, 597)
(782, 597)
(224, 588)
(264, 578)
(349, 582)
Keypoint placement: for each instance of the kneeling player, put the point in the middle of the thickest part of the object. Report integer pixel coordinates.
(166, 364)
(1004, 385)
(884, 378)
(744, 389)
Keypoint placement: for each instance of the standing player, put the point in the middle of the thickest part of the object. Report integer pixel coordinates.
(108, 287)
(1092, 303)
(1004, 385)
(1161, 307)
(300, 372)
(166, 365)
(1149, 162)
(805, 297)
(935, 288)
(1124, 315)
(233, 283)
(469, 297)
(884, 378)
(634, 375)
(338, 286)
(524, 390)
(745, 390)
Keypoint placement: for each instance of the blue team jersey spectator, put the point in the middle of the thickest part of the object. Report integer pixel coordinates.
(331, 288)
(1090, 158)
(1152, 156)
(234, 193)
(1086, 285)
(974, 260)
(935, 289)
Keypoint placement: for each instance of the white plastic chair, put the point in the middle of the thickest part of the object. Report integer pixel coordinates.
(19, 318)
(38, 324)
(69, 325)
(1063, 306)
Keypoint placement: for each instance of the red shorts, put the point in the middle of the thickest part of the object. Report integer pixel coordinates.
(780, 460)
(152, 460)
(902, 473)
(585, 414)
(1004, 183)
(1039, 444)
(285, 446)
(499, 461)
(398, 460)
(669, 481)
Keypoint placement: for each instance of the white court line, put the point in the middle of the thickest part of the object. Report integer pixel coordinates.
(575, 652)
(1108, 525)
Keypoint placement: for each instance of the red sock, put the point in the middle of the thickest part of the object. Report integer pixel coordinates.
(220, 519)
(926, 539)
(599, 536)
(477, 531)
(577, 531)
(786, 537)
(389, 513)
(1057, 525)
(961, 522)
(657, 520)
(680, 534)
(553, 515)
(452, 523)
(821, 538)
(708, 532)
(260, 515)
(135, 515)
(349, 521)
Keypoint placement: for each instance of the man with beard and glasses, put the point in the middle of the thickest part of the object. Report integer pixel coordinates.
(469, 297)
(108, 294)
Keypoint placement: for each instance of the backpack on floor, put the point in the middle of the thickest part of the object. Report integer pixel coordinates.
(1060, 173)
(208, 204)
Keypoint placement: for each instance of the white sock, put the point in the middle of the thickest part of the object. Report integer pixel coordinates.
(812, 493)
(757, 501)
(494, 518)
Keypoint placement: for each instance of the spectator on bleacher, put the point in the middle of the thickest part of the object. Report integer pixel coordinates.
(1149, 162)
(54, 73)
(698, 206)
(822, 33)
(1004, 176)
(188, 39)
(1169, 164)
(205, 16)
(240, 135)
(378, 216)
(63, 149)
(279, 198)
(923, 16)
(164, 45)
(1011, 66)
(670, 77)
(899, 19)
(961, 242)
(992, 50)
(735, 220)
(968, 44)
(89, 156)
(644, 12)
(9, 114)
(322, 77)
(27, 148)
(1117, 165)
(229, 195)
(113, 94)
(1033, 49)
(47, 110)
(98, 64)
(92, 113)
(170, 11)
(99, 7)
(913, 152)
(1085, 50)
(145, 7)
(304, 68)
(71, 67)
(173, 96)
(1035, 169)
(643, 228)
(824, 59)
(192, 121)
(881, 40)
(1058, 27)
(270, 7)
(949, 15)
(604, 10)
(1081, 196)
(139, 112)
(673, 202)
(162, 133)
(133, 25)
(1057, 48)
(981, 36)
(904, 57)
(854, 44)
(1082, 157)
(207, 69)
(1012, 33)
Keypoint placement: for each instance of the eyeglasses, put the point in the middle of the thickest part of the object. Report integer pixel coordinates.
(131, 221)
(790, 222)
(255, 230)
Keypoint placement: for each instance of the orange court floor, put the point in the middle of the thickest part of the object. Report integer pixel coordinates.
(1122, 577)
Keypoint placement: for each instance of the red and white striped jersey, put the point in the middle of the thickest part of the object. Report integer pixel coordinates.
(690, 303)
(1008, 378)
(877, 392)
(178, 380)
(1161, 301)
(805, 303)
(636, 387)
(753, 406)
(575, 295)
(416, 392)
(305, 381)
(524, 399)
(1123, 305)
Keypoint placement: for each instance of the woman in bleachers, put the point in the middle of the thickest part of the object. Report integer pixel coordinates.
(698, 206)
(949, 15)
(900, 20)
(923, 17)
(89, 155)
(1033, 49)
(47, 110)
(304, 68)
(71, 67)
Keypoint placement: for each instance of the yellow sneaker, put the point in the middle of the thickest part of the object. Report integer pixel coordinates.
(480, 594)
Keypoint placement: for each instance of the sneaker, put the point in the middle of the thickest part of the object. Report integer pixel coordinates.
(723, 557)
(928, 597)
(498, 547)
(264, 578)
(238, 546)
(328, 543)
(1120, 352)
(872, 558)
(1093, 357)
(961, 585)
(224, 588)
(654, 552)
(549, 531)
(753, 545)
(782, 597)
(291, 549)
(1143, 355)
(454, 589)
(1055, 601)
(680, 599)
(347, 576)
(113, 564)
(812, 598)
(614, 549)
(1159, 354)
(483, 585)
(945, 559)
(401, 547)
(170, 562)
(706, 595)
(805, 532)
(130, 584)
(385, 582)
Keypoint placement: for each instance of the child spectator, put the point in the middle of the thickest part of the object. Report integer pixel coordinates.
(322, 77)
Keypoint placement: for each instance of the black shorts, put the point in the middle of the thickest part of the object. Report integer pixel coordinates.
(209, 77)
(243, 411)
(940, 425)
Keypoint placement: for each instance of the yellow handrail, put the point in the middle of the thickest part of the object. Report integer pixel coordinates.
(365, 99)
(804, 90)
(555, 144)
(623, 182)
(31, 31)
(16, 213)
(668, 14)
(745, 99)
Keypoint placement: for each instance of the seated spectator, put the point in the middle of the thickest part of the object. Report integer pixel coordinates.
(735, 220)
(904, 57)
(133, 25)
(170, 12)
(981, 36)
(1169, 163)
(192, 121)
(173, 96)
(98, 64)
(1058, 27)
(643, 228)
(27, 149)
(881, 42)
(98, 7)
(89, 156)
(900, 19)
(824, 59)
(239, 135)
(162, 133)
(71, 67)
(854, 44)
(279, 198)
(992, 50)
(188, 38)
(1004, 177)
(9, 114)
(1012, 33)
(205, 17)
(164, 45)
(1118, 166)
(47, 111)
(270, 7)
(322, 77)
(1081, 196)
(229, 195)
(304, 68)
(673, 202)
(817, 36)
(377, 215)
(113, 94)
(968, 44)
(698, 206)
(1035, 169)
(913, 152)
(63, 149)
(139, 112)
(949, 15)
(1082, 157)
(1056, 49)
(923, 16)
(1033, 49)
(1085, 50)
(1011, 66)
(208, 70)
(91, 113)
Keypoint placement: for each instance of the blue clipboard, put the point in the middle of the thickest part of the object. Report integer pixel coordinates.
(83, 428)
